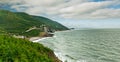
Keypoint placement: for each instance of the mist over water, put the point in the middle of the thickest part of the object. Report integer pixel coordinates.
(90, 45)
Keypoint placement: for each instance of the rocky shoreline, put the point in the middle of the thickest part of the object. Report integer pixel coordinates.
(51, 54)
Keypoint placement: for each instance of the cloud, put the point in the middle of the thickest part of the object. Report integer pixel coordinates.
(74, 9)
(106, 13)
(83, 10)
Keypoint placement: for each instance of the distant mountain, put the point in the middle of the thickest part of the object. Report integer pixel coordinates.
(20, 23)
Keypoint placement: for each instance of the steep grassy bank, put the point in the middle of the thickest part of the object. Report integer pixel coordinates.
(19, 50)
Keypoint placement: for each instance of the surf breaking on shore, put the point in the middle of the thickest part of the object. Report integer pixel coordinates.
(37, 39)
(59, 55)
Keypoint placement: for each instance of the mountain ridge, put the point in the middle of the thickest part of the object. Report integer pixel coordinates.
(18, 22)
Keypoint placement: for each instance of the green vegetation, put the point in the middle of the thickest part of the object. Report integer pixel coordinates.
(52, 24)
(18, 22)
(22, 50)
(32, 33)
(19, 50)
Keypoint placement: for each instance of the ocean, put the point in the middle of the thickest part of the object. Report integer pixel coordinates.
(86, 45)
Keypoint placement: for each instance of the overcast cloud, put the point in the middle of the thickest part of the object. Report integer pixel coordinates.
(75, 9)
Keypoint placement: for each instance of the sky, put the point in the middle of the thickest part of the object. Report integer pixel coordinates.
(71, 13)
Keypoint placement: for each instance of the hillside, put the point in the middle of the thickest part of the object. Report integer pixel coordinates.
(55, 25)
(19, 50)
(18, 23)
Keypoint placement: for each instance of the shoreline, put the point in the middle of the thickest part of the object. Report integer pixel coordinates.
(53, 53)
(37, 39)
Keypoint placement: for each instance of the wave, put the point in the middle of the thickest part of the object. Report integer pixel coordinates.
(61, 56)
(40, 39)
(67, 58)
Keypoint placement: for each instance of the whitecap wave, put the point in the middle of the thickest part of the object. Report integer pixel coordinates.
(65, 58)
(40, 39)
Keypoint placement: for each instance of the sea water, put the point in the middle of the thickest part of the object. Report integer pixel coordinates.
(89, 45)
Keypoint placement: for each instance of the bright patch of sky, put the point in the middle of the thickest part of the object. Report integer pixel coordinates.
(92, 23)
(115, 6)
(71, 13)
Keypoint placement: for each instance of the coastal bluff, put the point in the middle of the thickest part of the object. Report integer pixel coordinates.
(16, 28)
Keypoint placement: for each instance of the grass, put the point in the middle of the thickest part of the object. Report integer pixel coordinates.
(19, 50)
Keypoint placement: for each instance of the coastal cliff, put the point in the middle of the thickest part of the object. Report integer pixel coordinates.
(16, 25)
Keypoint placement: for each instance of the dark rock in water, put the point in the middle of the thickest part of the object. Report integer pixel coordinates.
(69, 56)
(44, 34)
(72, 28)
(50, 35)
